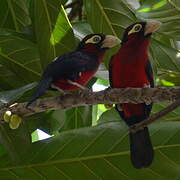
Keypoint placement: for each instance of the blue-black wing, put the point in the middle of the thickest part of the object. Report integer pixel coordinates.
(69, 66)
(65, 67)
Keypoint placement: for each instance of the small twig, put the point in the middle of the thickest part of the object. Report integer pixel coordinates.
(155, 116)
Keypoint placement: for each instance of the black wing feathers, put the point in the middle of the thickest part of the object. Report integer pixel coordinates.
(110, 72)
(65, 67)
(70, 65)
(149, 73)
(43, 85)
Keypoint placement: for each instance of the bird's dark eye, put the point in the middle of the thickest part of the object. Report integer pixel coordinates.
(96, 39)
(137, 28)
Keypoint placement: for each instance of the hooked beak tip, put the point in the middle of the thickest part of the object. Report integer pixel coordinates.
(151, 26)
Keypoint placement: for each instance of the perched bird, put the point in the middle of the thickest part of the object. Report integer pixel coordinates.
(130, 67)
(72, 71)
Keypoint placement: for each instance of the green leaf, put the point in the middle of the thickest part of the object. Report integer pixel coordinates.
(109, 116)
(82, 29)
(53, 30)
(55, 122)
(14, 14)
(77, 118)
(100, 152)
(168, 12)
(172, 116)
(7, 97)
(165, 57)
(16, 142)
(102, 82)
(171, 77)
(134, 4)
(8, 79)
(109, 17)
(20, 56)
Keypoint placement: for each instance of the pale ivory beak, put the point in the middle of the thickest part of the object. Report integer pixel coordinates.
(151, 26)
(110, 41)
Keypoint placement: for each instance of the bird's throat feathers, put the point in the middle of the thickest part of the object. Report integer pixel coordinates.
(134, 51)
(95, 51)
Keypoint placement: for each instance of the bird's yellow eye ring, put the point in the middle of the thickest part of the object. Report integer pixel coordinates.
(136, 28)
(94, 40)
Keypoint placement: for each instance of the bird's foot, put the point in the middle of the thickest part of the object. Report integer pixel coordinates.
(29, 108)
(78, 85)
(118, 106)
(59, 89)
(147, 100)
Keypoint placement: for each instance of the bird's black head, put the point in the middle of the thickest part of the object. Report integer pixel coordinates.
(140, 30)
(98, 41)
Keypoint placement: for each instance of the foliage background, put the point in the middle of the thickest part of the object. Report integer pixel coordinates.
(32, 33)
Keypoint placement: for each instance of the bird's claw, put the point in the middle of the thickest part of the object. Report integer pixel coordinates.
(147, 100)
(30, 109)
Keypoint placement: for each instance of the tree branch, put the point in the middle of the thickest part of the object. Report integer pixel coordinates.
(154, 117)
(108, 96)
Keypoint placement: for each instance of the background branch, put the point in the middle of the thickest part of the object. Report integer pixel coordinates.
(154, 117)
(108, 96)
(76, 9)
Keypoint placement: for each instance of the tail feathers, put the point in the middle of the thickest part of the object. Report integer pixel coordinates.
(141, 149)
(42, 87)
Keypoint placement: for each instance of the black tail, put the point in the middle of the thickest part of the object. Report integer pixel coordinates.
(141, 149)
(42, 87)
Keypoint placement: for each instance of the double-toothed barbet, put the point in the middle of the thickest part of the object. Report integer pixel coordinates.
(74, 70)
(130, 67)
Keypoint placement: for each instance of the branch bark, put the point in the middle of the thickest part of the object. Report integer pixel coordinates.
(154, 117)
(108, 96)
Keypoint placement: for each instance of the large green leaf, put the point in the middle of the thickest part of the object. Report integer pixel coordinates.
(78, 117)
(172, 116)
(16, 142)
(14, 14)
(165, 57)
(8, 79)
(58, 121)
(169, 78)
(168, 12)
(55, 122)
(109, 116)
(100, 152)
(109, 16)
(81, 29)
(53, 30)
(20, 56)
(7, 97)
